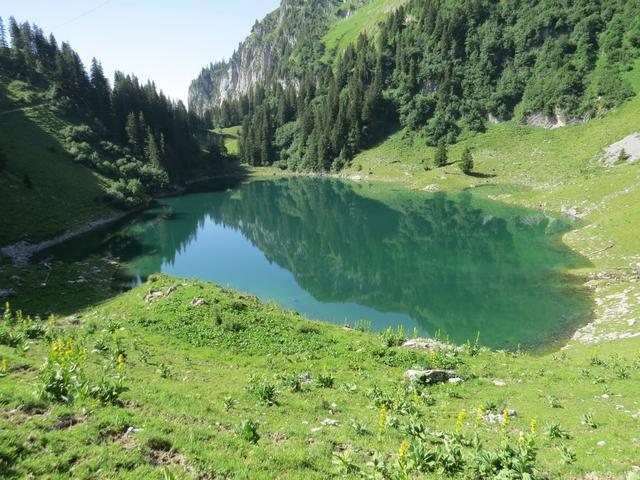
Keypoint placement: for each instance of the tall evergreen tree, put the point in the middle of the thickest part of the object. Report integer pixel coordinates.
(442, 155)
(4, 45)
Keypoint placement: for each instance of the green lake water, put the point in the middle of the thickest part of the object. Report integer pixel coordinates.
(344, 252)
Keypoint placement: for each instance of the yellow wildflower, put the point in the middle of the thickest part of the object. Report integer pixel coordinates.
(480, 414)
(506, 418)
(402, 452)
(534, 426)
(433, 358)
(120, 362)
(5, 365)
(460, 421)
(382, 420)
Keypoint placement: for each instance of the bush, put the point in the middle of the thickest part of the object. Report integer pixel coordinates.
(263, 391)
(126, 193)
(248, 431)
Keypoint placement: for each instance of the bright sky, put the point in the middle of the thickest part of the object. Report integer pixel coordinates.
(167, 41)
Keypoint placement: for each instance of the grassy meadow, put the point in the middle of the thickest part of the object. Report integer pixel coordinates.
(182, 379)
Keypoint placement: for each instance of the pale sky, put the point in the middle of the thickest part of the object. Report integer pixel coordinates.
(163, 40)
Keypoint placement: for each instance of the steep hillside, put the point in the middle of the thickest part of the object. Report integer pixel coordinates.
(278, 49)
(74, 149)
(441, 71)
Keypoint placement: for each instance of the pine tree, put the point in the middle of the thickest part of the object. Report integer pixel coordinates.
(152, 150)
(3, 37)
(132, 128)
(101, 93)
(442, 155)
(466, 162)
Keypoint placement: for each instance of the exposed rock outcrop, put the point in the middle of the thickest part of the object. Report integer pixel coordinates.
(266, 51)
(556, 120)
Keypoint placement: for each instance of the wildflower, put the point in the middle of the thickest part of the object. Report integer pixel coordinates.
(416, 398)
(521, 439)
(480, 414)
(402, 452)
(534, 426)
(506, 418)
(433, 358)
(121, 362)
(460, 421)
(382, 420)
(5, 366)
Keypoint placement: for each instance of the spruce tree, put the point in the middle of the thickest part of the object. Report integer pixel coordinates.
(3, 37)
(466, 162)
(442, 155)
(152, 150)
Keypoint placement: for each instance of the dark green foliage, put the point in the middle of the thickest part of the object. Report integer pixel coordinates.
(3, 161)
(439, 68)
(248, 431)
(26, 180)
(442, 154)
(154, 136)
(466, 162)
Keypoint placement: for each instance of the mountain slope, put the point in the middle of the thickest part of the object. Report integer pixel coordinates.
(278, 49)
(437, 69)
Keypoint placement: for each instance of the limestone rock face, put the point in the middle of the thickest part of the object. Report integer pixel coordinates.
(266, 50)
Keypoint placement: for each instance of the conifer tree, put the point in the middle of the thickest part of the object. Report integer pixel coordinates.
(466, 162)
(442, 156)
(3, 37)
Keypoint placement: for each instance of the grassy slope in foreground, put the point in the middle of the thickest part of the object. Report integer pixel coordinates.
(188, 370)
(64, 195)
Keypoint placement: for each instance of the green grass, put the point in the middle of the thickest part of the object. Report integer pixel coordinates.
(64, 195)
(231, 138)
(344, 32)
(188, 370)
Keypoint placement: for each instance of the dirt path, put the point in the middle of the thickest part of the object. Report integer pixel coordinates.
(15, 110)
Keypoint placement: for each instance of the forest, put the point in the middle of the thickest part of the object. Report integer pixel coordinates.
(132, 134)
(440, 70)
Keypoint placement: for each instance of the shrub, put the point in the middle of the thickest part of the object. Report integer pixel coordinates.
(263, 391)
(394, 339)
(326, 381)
(108, 390)
(61, 377)
(248, 431)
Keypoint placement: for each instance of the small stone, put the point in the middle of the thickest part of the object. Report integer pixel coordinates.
(455, 380)
(329, 422)
(499, 383)
(316, 429)
(601, 443)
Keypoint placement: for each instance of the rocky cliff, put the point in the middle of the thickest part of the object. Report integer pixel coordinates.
(275, 50)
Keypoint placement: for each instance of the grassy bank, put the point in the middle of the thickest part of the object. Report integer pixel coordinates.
(42, 184)
(170, 386)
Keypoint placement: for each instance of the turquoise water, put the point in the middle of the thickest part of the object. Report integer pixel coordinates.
(342, 252)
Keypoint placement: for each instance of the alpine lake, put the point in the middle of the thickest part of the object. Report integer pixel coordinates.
(450, 265)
